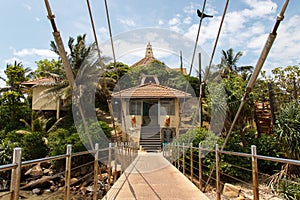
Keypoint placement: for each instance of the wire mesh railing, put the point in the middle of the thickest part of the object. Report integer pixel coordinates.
(117, 157)
(197, 162)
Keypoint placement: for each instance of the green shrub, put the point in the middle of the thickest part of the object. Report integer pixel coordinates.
(33, 146)
(6, 151)
(290, 190)
(57, 141)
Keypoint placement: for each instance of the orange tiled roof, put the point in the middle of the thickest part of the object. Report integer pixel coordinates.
(38, 81)
(149, 58)
(150, 90)
(144, 61)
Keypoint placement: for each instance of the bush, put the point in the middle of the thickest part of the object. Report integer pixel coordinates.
(34, 146)
(57, 141)
(290, 190)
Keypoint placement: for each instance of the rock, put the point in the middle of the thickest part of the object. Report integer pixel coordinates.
(230, 190)
(53, 188)
(48, 172)
(90, 188)
(73, 180)
(240, 198)
(35, 171)
(39, 183)
(37, 191)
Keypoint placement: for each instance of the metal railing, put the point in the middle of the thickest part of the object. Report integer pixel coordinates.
(184, 156)
(118, 155)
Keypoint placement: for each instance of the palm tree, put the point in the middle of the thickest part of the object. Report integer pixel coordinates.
(229, 64)
(61, 88)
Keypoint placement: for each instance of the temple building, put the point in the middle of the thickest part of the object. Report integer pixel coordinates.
(150, 111)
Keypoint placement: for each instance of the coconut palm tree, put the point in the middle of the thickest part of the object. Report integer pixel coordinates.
(229, 64)
(61, 89)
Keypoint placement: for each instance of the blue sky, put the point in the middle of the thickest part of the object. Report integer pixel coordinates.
(26, 32)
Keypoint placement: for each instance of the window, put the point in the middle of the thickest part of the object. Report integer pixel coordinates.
(135, 107)
(167, 107)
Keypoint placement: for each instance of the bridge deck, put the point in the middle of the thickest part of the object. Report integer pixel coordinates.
(151, 176)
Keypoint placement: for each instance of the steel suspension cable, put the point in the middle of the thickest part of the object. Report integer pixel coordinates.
(99, 55)
(194, 52)
(216, 42)
(197, 38)
(93, 27)
(113, 51)
(110, 32)
(208, 69)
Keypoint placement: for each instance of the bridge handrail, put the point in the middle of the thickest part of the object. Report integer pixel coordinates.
(127, 150)
(176, 154)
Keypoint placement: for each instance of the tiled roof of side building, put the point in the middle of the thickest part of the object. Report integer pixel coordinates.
(151, 90)
(38, 81)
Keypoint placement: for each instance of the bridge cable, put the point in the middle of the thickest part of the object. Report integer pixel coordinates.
(104, 78)
(110, 32)
(208, 69)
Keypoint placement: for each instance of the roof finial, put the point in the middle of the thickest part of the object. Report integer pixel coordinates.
(149, 52)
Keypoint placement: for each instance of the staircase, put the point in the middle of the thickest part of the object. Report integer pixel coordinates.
(150, 138)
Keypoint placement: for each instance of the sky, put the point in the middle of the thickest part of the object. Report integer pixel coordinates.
(169, 25)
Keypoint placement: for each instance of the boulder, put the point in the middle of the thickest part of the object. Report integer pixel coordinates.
(37, 191)
(73, 180)
(230, 190)
(35, 171)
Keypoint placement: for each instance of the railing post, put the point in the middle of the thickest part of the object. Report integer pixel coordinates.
(218, 172)
(116, 161)
(122, 157)
(183, 159)
(96, 171)
(68, 172)
(16, 174)
(254, 173)
(109, 165)
(191, 160)
(169, 150)
(178, 156)
(200, 166)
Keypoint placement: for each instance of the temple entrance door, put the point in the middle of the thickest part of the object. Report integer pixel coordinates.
(150, 112)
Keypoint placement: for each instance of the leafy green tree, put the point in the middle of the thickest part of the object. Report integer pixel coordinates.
(229, 62)
(288, 129)
(287, 81)
(13, 103)
(48, 68)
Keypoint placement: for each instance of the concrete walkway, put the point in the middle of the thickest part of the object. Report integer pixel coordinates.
(151, 176)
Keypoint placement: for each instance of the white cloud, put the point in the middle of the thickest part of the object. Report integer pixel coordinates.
(257, 42)
(187, 20)
(35, 52)
(160, 22)
(37, 19)
(210, 10)
(174, 21)
(284, 51)
(191, 8)
(127, 22)
(259, 8)
(176, 29)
